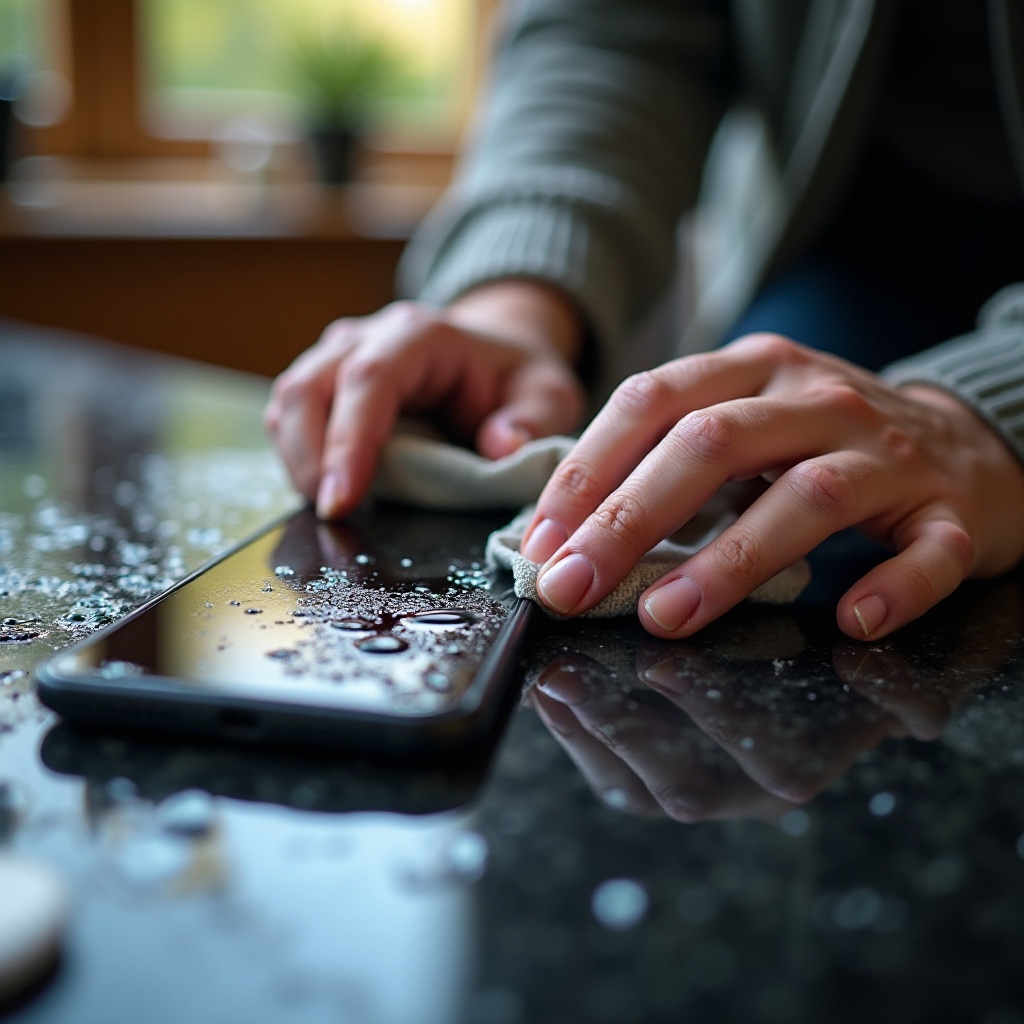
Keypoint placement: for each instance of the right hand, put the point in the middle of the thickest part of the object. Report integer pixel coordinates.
(496, 366)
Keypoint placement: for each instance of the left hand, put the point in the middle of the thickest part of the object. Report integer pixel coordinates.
(913, 468)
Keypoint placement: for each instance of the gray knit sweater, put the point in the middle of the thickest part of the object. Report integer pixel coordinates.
(593, 142)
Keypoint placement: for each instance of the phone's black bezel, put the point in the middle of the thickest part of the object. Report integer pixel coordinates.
(160, 704)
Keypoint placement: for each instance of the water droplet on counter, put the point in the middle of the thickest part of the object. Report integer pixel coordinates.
(121, 790)
(12, 676)
(382, 644)
(148, 861)
(458, 859)
(362, 559)
(620, 903)
(13, 807)
(34, 486)
(235, 604)
(282, 653)
(882, 804)
(12, 633)
(615, 798)
(795, 823)
(253, 611)
(441, 618)
(284, 570)
(191, 812)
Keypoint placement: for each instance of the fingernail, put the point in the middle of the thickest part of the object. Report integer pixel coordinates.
(514, 436)
(673, 603)
(669, 674)
(870, 612)
(545, 539)
(563, 684)
(564, 584)
(330, 496)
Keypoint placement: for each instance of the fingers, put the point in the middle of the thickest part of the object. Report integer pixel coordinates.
(937, 555)
(300, 402)
(808, 503)
(637, 417)
(539, 399)
(331, 412)
(698, 455)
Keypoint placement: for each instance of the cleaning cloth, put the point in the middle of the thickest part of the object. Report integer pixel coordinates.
(425, 471)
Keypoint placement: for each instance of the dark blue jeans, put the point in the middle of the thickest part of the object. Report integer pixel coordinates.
(900, 269)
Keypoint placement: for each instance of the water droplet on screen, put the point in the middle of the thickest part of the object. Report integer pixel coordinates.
(119, 670)
(363, 559)
(284, 570)
(620, 903)
(382, 644)
(352, 625)
(437, 681)
(441, 618)
(282, 653)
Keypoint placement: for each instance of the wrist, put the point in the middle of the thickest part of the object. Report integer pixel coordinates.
(526, 312)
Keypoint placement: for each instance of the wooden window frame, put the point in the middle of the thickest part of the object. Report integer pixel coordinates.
(100, 56)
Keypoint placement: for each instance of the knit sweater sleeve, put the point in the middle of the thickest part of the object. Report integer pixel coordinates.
(586, 153)
(984, 369)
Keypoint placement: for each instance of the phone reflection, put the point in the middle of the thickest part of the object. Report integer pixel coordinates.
(158, 769)
(373, 867)
(754, 717)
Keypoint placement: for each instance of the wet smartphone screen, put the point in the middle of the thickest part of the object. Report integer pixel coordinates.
(389, 616)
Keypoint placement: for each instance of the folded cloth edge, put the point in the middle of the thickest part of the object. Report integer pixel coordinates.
(432, 473)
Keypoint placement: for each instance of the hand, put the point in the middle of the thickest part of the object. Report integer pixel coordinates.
(497, 364)
(913, 467)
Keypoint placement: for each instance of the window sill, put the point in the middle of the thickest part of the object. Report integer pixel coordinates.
(200, 199)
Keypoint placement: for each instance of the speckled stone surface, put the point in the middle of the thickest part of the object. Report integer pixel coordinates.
(766, 823)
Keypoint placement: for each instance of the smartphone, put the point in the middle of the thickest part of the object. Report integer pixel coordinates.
(383, 633)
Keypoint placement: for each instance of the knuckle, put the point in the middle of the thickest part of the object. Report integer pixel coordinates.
(410, 317)
(288, 388)
(821, 487)
(642, 394)
(680, 804)
(739, 554)
(363, 368)
(773, 348)
(704, 434)
(624, 518)
(577, 480)
(723, 732)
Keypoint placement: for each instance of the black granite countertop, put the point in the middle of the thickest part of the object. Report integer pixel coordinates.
(766, 823)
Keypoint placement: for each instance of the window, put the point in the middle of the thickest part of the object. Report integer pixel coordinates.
(151, 78)
(210, 60)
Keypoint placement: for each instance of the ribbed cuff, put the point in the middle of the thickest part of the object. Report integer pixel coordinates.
(984, 370)
(579, 235)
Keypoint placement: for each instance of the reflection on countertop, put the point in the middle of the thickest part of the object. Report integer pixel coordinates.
(768, 822)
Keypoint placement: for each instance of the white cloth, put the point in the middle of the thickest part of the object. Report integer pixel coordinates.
(433, 474)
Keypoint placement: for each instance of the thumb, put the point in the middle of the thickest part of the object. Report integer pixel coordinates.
(539, 399)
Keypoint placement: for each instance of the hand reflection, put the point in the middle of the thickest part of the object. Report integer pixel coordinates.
(750, 723)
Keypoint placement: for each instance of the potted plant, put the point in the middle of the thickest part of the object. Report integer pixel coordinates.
(342, 72)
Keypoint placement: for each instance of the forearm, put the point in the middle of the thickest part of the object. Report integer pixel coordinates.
(587, 152)
(984, 370)
(526, 312)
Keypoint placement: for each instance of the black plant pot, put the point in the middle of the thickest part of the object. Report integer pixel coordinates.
(333, 153)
